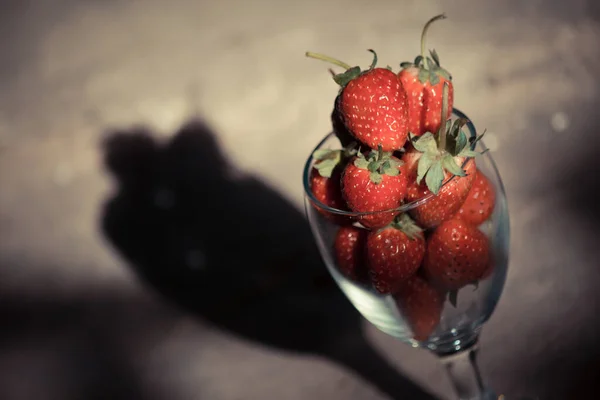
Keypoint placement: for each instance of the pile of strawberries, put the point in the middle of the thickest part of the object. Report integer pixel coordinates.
(400, 146)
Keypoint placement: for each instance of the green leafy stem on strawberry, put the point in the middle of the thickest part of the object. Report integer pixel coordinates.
(430, 68)
(329, 160)
(350, 73)
(378, 163)
(406, 224)
(443, 151)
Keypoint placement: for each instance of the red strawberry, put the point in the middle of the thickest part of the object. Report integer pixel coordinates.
(374, 183)
(372, 104)
(447, 201)
(457, 254)
(325, 183)
(480, 201)
(421, 305)
(328, 192)
(349, 249)
(423, 81)
(441, 164)
(374, 108)
(394, 254)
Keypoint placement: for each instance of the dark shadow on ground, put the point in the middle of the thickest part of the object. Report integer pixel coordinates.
(232, 251)
(71, 349)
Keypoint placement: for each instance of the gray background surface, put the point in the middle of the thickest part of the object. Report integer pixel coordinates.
(78, 322)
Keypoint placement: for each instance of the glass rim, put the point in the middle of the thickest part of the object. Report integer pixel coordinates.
(472, 132)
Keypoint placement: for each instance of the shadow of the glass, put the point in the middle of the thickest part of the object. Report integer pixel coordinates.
(232, 251)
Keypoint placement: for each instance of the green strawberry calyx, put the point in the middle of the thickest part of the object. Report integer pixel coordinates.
(444, 151)
(378, 163)
(328, 159)
(351, 73)
(430, 69)
(406, 224)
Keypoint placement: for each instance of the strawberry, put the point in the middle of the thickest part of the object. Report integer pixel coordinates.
(394, 253)
(423, 81)
(457, 254)
(421, 305)
(325, 182)
(374, 183)
(480, 201)
(444, 172)
(327, 190)
(349, 246)
(447, 201)
(372, 104)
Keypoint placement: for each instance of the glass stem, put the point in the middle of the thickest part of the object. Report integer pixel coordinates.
(465, 375)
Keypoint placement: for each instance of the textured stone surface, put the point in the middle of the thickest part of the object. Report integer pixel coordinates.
(78, 323)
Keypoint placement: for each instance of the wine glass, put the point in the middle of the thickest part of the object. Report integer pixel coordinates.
(458, 324)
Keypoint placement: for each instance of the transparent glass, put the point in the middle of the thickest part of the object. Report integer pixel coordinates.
(454, 339)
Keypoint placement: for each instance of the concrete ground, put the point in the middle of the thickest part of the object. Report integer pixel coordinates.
(108, 238)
